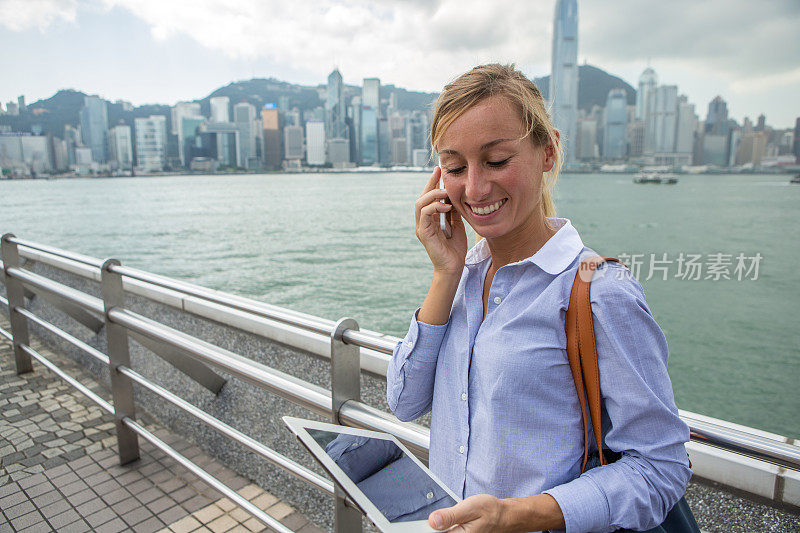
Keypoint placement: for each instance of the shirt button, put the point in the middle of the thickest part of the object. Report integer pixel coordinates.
(497, 300)
(460, 449)
(464, 396)
(429, 495)
(409, 344)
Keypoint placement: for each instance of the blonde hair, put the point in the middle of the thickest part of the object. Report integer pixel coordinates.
(494, 79)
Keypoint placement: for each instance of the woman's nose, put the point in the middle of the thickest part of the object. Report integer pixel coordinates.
(477, 186)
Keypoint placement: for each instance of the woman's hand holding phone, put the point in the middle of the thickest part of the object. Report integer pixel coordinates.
(446, 254)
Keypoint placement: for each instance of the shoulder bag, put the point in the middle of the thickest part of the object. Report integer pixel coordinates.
(582, 355)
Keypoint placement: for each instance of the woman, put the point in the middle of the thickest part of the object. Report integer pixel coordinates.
(486, 351)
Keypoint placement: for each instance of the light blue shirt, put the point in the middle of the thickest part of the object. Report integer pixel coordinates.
(505, 417)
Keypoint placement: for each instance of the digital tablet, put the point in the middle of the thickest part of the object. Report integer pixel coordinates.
(390, 486)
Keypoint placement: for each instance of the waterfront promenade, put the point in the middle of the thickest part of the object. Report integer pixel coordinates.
(59, 471)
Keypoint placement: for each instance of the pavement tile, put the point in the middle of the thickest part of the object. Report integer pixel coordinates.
(79, 526)
(160, 504)
(114, 526)
(185, 525)
(7, 489)
(100, 517)
(115, 496)
(72, 488)
(136, 515)
(34, 518)
(294, 521)
(39, 489)
(18, 510)
(150, 525)
(280, 510)
(47, 498)
(176, 512)
(221, 524)
(12, 499)
(55, 508)
(149, 495)
(81, 497)
(195, 503)
(208, 513)
(128, 504)
(92, 506)
(67, 517)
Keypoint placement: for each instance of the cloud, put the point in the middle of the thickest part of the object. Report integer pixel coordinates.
(732, 38)
(20, 15)
(415, 43)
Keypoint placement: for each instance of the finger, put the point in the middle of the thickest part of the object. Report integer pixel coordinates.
(431, 196)
(433, 182)
(462, 512)
(434, 208)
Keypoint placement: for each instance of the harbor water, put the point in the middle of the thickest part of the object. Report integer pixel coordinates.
(716, 254)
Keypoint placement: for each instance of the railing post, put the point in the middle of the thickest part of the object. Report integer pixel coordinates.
(345, 385)
(119, 354)
(16, 298)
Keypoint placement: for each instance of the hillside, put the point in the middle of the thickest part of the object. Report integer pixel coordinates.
(593, 87)
(63, 108)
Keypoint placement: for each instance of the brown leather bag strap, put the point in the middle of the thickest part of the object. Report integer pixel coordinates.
(582, 352)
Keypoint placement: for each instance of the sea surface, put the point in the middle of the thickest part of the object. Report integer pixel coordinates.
(340, 244)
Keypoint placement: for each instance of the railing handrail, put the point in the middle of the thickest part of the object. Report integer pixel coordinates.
(752, 444)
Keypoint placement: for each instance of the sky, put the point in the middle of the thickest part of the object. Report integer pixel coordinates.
(164, 51)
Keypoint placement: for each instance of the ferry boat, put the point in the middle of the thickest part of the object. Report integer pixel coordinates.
(795, 179)
(655, 177)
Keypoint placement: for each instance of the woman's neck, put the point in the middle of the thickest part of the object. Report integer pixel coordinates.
(520, 243)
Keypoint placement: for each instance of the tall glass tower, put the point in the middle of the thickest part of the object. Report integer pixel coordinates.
(334, 107)
(564, 77)
(94, 127)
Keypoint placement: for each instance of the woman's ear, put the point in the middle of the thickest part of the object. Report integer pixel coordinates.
(550, 152)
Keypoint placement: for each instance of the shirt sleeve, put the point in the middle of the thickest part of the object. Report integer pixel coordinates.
(410, 376)
(637, 491)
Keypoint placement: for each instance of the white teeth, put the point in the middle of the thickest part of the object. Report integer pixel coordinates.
(487, 209)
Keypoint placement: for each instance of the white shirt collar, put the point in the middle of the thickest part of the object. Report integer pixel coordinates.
(554, 257)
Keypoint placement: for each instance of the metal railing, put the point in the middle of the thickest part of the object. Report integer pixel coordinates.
(350, 350)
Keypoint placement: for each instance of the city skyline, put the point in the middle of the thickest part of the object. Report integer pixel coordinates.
(145, 53)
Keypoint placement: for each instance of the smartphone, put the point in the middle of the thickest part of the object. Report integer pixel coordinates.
(444, 224)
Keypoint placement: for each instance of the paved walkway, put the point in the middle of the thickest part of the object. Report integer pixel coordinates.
(59, 469)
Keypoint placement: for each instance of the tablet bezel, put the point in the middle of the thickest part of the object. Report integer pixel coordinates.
(298, 426)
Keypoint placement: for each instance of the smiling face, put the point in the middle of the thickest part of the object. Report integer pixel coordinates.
(492, 174)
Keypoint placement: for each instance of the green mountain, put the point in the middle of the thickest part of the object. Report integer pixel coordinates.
(594, 85)
(63, 108)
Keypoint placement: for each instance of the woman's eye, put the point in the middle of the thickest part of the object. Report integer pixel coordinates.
(454, 170)
(496, 164)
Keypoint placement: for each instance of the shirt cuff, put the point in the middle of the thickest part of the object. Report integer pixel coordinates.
(583, 504)
(423, 340)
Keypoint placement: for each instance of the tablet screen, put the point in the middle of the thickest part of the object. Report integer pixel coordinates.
(387, 476)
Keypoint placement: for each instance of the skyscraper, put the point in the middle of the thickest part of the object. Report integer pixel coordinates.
(244, 117)
(183, 109)
(614, 144)
(369, 135)
(151, 142)
(335, 112)
(94, 127)
(717, 118)
(315, 142)
(270, 124)
(219, 109)
(564, 77)
(371, 94)
(648, 81)
(120, 147)
(796, 144)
